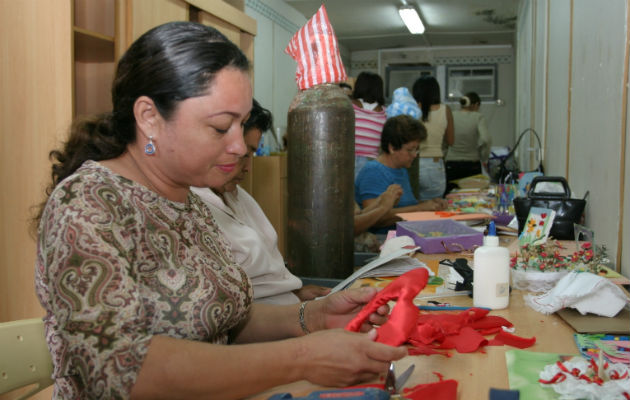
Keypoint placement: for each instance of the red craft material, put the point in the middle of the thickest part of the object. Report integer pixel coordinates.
(504, 337)
(442, 390)
(429, 331)
(467, 341)
(404, 316)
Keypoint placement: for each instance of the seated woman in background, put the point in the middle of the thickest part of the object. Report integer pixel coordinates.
(400, 140)
(438, 121)
(253, 239)
(141, 291)
(367, 217)
(472, 142)
(369, 117)
(404, 103)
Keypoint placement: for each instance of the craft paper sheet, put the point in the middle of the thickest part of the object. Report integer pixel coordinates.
(523, 373)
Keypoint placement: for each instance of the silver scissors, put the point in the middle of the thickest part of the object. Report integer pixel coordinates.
(394, 384)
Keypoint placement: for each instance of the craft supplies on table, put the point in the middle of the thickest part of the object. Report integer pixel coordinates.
(438, 215)
(491, 273)
(440, 236)
(614, 348)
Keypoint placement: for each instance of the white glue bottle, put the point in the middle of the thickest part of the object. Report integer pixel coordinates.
(491, 273)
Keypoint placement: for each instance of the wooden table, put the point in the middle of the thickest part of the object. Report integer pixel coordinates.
(476, 372)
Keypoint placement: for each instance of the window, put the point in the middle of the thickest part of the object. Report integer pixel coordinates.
(481, 79)
(398, 75)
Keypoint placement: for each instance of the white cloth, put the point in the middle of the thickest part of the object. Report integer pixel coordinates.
(586, 292)
(368, 106)
(254, 245)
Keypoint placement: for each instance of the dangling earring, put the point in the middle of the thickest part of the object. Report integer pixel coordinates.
(149, 149)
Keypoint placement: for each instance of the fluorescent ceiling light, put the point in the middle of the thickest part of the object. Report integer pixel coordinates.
(411, 18)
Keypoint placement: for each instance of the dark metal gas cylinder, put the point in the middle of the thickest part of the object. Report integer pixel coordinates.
(320, 164)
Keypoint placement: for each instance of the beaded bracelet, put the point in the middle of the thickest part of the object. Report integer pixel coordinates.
(301, 317)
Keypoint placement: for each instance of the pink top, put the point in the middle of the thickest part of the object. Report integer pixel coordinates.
(367, 131)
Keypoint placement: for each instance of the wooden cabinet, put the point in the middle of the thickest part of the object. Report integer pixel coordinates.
(94, 43)
(267, 183)
(227, 17)
(35, 109)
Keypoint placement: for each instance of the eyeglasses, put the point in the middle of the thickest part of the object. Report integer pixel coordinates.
(413, 151)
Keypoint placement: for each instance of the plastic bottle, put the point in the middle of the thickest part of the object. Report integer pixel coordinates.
(491, 273)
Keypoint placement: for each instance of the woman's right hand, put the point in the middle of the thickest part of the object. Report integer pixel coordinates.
(436, 204)
(339, 358)
(389, 198)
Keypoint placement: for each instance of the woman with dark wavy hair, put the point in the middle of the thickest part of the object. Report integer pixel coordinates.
(141, 291)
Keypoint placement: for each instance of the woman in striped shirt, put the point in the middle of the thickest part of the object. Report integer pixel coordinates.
(369, 116)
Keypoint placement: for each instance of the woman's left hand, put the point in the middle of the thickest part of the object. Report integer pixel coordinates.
(310, 292)
(336, 310)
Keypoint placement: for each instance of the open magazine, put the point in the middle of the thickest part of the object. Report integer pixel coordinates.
(438, 285)
(395, 263)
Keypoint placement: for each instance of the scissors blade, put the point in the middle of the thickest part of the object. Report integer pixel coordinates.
(390, 379)
(402, 378)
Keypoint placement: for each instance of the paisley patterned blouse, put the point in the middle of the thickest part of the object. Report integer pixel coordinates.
(117, 264)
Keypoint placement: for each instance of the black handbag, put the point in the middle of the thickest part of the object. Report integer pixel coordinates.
(568, 210)
(507, 171)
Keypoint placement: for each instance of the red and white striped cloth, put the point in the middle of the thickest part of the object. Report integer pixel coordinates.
(314, 47)
(367, 131)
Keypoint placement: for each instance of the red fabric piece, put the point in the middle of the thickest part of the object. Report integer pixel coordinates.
(442, 390)
(490, 321)
(429, 331)
(467, 341)
(512, 340)
(436, 327)
(403, 318)
(559, 377)
(422, 349)
(491, 331)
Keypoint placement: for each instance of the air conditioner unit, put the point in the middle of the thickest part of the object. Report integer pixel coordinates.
(481, 79)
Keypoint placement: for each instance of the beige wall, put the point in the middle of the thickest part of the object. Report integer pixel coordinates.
(572, 76)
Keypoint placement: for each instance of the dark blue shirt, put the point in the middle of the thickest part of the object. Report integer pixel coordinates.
(374, 179)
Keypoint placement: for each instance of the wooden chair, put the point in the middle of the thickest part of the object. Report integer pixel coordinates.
(24, 357)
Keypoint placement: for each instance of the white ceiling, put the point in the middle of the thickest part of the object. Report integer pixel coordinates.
(375, 24)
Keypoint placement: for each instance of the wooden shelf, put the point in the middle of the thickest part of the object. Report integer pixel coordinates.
(92, 46)
(95, 16)
(94, 64)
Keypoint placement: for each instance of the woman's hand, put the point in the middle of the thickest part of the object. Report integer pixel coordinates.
(310, 292)
(336, 310)
(441, 203)
(390, 197)
(340, 358)
(436, 204)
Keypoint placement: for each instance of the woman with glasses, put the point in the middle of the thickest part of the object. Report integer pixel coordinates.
(400, 141)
